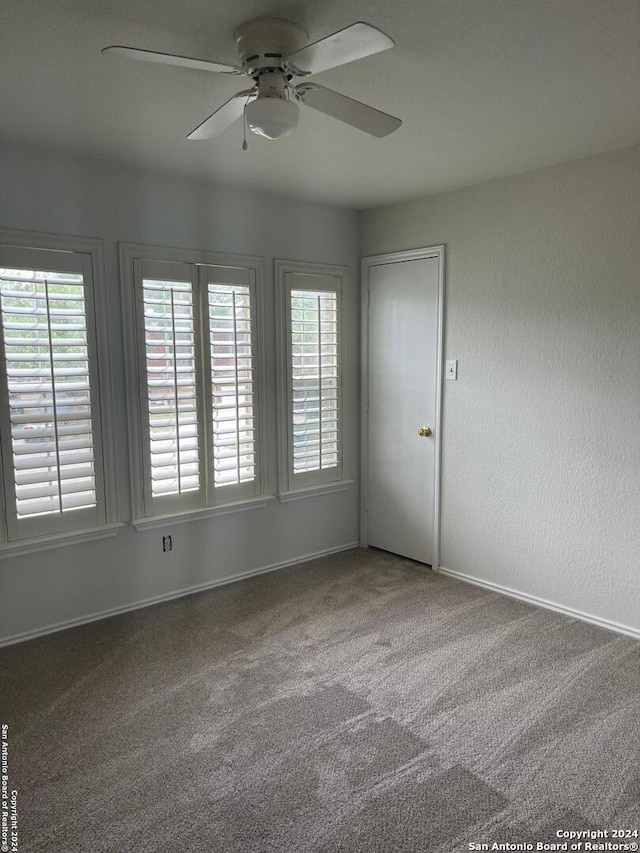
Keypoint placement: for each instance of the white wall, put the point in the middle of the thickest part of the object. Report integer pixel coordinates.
(541, 443)
(46, 191)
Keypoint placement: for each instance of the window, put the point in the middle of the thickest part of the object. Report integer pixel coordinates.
(198, 426)
(50, 402)
(311, 354)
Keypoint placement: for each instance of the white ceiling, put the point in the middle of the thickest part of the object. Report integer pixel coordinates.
(485, 88)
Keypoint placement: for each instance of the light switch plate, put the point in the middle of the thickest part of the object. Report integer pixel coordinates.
(452, 368)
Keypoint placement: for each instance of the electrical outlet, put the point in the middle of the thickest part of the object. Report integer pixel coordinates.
(167, 544)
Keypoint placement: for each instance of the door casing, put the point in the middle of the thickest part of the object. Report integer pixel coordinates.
(367, 263)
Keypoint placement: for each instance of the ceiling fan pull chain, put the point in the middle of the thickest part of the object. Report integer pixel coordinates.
(245, 144)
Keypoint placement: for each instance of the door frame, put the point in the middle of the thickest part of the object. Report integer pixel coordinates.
(367, 263)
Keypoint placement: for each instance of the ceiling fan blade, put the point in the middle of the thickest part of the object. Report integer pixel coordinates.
(223, 117)
(347, 110)
(172, 59)
(347, 45)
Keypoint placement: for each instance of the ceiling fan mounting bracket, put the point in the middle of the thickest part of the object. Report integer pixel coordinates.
(264, 44)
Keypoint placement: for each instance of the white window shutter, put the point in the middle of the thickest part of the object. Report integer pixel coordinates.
(232, 392)
(171, 379)
(315, 380)
(310, 390)
(49, 410)
(231, 342)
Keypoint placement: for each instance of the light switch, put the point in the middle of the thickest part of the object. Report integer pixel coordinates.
(452, 368)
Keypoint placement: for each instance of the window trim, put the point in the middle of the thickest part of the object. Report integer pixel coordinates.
(293, 486)
(141, 512)
(186, 516)
(104, 429)
(58, 540)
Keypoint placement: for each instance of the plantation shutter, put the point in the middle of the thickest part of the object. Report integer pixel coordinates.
(315, 371)
(49, 400)
(229, 293)
(171, 396)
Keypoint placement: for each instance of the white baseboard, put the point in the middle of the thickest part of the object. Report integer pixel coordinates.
(181, 593)
(548, 605)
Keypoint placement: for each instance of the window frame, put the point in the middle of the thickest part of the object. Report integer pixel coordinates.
(294, 485)
(149, 512)
(38, 533)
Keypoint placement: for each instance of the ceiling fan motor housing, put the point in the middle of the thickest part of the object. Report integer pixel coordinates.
(265, 43)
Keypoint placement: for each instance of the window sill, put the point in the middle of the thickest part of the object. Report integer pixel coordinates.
(173, 518)
(57, 540)
(315, 491)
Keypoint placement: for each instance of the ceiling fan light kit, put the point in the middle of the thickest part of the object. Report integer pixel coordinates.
(272, 118)
(271, 114)
(272, 52)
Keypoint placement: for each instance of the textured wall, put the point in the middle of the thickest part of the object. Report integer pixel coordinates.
(49, 192)
(541, 444)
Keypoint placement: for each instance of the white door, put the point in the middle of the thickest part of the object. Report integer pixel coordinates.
(403, 340)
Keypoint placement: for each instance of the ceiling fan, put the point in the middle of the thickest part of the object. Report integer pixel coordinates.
(272, 52)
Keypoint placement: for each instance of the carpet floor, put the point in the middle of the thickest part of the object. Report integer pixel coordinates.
(356, 704)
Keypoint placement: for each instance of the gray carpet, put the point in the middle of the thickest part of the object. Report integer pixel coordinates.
(359, 704)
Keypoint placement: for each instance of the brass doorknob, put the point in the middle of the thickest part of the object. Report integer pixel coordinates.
(423, 432)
